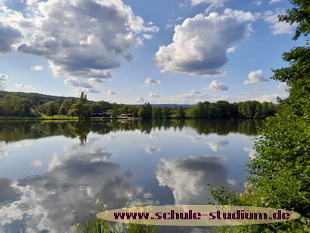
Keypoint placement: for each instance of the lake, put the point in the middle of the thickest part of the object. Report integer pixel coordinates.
(49, 169)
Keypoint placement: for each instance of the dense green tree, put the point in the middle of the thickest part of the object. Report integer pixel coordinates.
(166, 113)
(281, 170)
(65, 106)
(180, 112)
(12, 105)
(157, 113)
(81, 109)
(145, 111)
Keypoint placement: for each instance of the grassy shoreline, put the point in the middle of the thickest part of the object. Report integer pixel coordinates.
(55, 118)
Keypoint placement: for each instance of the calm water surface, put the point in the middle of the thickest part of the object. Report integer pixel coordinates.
(47, 170)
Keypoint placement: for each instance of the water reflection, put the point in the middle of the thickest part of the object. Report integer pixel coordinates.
(110, 161)
(73, 182)
(188, 177)
(15, 131)
(216, 146)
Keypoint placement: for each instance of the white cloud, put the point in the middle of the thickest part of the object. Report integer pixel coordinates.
(39, 199)
(187, 177)
(3, 152)
(36, 163)
(200, 44)
(78, 83)
(255, 77)
(3, 79)
(36, 68)
(151, 149)
(87, 90)
(150, 81)
(147, 36)
(169, 26)
(276, 26)
(23, 86)
(97, 80)
(213, 4)
(268, 98)
(282, 86)
(140, 100)
(216, 146)
(273, 1)
(252, 152)
(111, 92)
(153, 95)
(215, 85)
(86, 42)
(231, 49)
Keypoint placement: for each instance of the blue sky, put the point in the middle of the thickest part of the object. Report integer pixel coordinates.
(129, 51)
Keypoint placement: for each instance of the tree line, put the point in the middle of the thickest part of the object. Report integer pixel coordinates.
(13, 105)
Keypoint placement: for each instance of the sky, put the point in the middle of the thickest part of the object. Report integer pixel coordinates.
(156, 51)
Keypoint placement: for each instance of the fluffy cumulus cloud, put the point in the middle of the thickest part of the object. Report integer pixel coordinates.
(3, 79)
(255, 77)
(216, 146)
(150, 81)
(36, 68)
(201, 43)
(140, 100)
(87, 41)
(24, 86)
(282, 86)
(187, 177)
(215, 85)
(152, 94)
(276, 26)
(111, 92)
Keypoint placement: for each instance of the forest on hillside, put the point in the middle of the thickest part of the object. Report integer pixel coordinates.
(38, 105)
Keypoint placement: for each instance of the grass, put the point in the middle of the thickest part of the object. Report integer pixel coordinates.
(97, 225)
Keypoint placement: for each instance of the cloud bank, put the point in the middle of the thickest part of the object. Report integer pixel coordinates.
(86, 42)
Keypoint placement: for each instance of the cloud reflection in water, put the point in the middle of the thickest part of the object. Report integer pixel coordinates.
(74, 181)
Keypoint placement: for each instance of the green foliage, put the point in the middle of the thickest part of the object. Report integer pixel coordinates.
(97, 225)
(225, 110)
(50, 108)
(81, 109)
(280, 172)
(300, 14)
(12, 105)
(145, 111)
(66, 106)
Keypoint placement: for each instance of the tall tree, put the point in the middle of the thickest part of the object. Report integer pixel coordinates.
(81, 109)
(281, 170)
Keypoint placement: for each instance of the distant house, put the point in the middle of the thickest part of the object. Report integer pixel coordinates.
(104, 114)
(127, 115)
